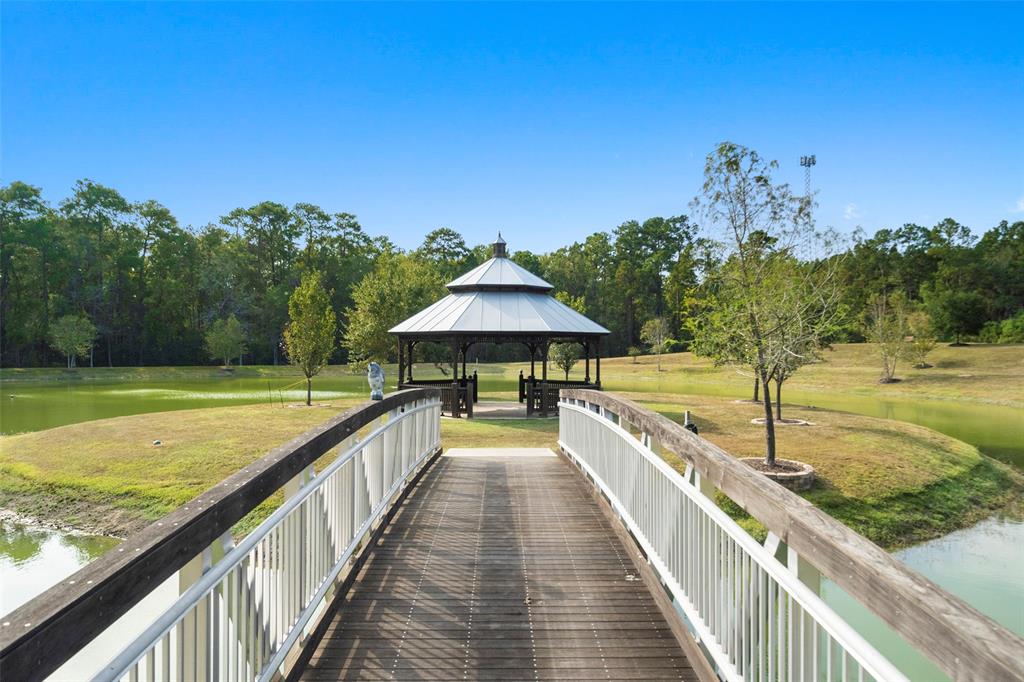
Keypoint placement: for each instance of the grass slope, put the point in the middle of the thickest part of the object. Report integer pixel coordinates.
(893, 482)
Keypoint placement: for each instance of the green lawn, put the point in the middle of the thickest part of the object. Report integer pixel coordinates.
(977, 373)
(894, 482)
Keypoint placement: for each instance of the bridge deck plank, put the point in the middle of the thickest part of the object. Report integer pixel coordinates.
(499, 567)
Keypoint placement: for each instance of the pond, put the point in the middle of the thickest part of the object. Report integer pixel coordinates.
(33, 558)
(981, 565)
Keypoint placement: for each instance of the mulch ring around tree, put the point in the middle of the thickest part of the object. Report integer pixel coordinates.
(784, 422)
(788, 473)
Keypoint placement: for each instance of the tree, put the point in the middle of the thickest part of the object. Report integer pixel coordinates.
(565, 356)
(309, 336)
(398, 286)
(956, 313)
(72, 335)
(655, 334)
(225, 339)
(577, 303)
(922, 338)
(886, 325)
(751, 305)
(635, 352)
(446, 249)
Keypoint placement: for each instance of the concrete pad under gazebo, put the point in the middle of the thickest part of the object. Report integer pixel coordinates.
(499, 302)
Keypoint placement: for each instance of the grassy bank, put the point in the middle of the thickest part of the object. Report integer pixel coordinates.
(893, 482)
(977, 373)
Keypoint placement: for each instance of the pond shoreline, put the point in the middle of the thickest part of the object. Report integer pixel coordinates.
(21, 519)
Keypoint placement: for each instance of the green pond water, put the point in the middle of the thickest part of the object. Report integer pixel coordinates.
(980, 564)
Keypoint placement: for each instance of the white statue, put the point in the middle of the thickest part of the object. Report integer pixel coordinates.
(375, 377)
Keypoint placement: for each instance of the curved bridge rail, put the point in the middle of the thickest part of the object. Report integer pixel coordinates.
(751, 612)
(246, 613)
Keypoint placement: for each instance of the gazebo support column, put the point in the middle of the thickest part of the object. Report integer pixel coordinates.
(455, 378)
(544, 379)
(597, 358)
(586, 353)
(401, 362)
(412, 345)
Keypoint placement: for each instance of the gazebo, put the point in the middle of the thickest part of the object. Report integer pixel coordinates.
(498, 302)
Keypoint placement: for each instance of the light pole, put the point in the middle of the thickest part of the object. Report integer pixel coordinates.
(807, 162)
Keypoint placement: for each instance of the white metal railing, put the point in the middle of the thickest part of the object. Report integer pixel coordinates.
(245, 615)
(754, 616)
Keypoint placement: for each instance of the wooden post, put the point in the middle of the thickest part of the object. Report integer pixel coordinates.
(586, 352)
(412, 346)
(401, 362)
(597, 357)
(544, 380)
(455, 377)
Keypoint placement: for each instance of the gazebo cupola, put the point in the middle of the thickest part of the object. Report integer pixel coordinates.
(498, 302)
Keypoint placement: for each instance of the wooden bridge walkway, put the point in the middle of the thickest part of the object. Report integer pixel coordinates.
(500, 565)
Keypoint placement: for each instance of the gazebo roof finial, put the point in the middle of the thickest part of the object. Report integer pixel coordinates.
(499, 247)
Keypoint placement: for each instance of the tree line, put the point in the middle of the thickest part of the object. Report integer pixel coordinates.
(145, 290)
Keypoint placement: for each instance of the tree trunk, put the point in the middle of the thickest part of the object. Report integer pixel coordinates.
(769, 423)
(566, 375)
(757, 385)
(659, 361)
(309, 391)
(778, 399)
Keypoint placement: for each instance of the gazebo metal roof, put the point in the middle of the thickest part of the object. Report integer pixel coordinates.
(498, 312)
(498, 274)
(498, 298)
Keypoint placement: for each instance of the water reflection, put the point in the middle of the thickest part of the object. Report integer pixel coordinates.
(32, 559)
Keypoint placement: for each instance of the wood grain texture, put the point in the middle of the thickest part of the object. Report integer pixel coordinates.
(51, 628)
(499, 567)
(961, 640)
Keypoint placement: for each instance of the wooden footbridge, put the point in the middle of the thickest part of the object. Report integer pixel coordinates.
(390, 559)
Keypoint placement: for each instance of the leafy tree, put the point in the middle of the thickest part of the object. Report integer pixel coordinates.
(73, 336)
(397, 287)
(446, 249)
(309, 336)
(577, 303)
(635, 352)
(751, 305)
(922, 338)
(565, 356)
(655, 335)
(886, 323)
(956, 313)
(225, 339)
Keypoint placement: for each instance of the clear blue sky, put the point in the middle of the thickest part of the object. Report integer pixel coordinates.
(547, 121)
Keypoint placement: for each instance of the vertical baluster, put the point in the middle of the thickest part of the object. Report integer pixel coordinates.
(215, 633)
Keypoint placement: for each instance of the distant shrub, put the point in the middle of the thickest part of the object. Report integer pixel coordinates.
(1010, 330)
(677, 346)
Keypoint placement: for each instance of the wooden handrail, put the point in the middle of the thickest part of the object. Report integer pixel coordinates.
(961, 640)
(41, 635)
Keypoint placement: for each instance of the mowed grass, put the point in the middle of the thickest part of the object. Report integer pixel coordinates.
(980, 373)
(893, 482)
